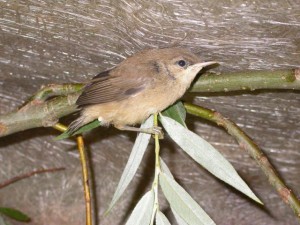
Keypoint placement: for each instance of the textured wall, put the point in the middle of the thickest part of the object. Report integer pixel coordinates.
(44, 42)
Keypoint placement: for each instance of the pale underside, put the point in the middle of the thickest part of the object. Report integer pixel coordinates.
(135, 109)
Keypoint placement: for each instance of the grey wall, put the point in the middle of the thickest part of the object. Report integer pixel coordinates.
(44, 42)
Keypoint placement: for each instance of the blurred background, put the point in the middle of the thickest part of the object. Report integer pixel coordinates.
(43, 42)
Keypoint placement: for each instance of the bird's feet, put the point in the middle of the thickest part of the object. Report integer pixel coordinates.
(155, 130)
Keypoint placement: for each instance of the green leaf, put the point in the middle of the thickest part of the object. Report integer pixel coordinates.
(179, 220)
(182, 202)
(161, 219)
(133, 162)
(142, 212)
(176, 112)
(14, 214)
(85, 128)
(206, 155)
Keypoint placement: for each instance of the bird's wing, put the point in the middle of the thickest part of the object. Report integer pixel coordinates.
(105, 88)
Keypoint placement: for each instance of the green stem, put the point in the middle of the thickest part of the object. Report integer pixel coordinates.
(39, 113)
(51, 90)
(248, 81)
(45, 114)
(253, 150)
(157, 172)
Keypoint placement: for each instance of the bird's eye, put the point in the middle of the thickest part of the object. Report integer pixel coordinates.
(181, 63)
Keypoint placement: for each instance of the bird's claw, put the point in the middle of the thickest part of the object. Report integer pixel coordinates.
(156, 130)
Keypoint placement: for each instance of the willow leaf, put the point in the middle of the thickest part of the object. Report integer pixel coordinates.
(206, 155)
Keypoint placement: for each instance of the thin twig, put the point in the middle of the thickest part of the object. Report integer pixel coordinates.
(253, 150)
(157, 172)
(85, 177)
(27, 175)
(60, 127)
(85, 174)
(51, 90)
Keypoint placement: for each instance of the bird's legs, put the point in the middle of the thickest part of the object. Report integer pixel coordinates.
(152, 130)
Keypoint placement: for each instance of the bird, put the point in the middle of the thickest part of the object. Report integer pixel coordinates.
(143, 84)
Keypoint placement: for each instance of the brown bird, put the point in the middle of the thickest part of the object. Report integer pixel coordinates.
(143, 84)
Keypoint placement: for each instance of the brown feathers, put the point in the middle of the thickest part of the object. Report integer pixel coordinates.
(109, 87)
(143, 84)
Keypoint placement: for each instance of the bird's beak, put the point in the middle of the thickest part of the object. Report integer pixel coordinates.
(198, 66)
(204, 64)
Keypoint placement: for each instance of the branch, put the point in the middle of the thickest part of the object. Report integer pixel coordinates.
(248, 81)
(44, 114)
(51, 90)
(253, 150)
(41, 113)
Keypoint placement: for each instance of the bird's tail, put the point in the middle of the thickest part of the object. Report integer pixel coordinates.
(76, 124)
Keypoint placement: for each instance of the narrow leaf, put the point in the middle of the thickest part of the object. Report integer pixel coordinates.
(176, 112)
(62, 136)
(142, 212)
(183, 203)
(3, 222)
(206, 155)
(161, 219)
(14, 214)
(133, 162)
(165, 169)
(85, 128)
(179, 220)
